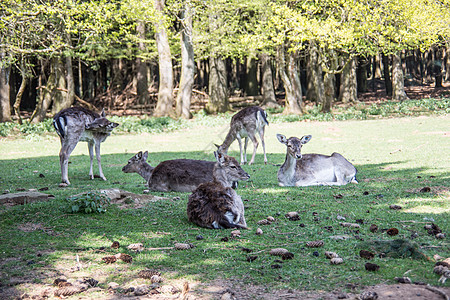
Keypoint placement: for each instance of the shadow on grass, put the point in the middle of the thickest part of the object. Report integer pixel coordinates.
(41, 255)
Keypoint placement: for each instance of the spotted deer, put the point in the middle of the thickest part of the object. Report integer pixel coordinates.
(312, 169)
(215, 204)
(179, 175)
(79, 124)
(245, 124)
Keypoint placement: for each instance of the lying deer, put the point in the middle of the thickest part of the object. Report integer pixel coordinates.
(215, 204)
(245, 124)
(179, 175)
(79, 124)
(312, 169)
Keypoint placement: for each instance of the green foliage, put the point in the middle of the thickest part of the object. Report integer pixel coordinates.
(88, 203)
(6, 128)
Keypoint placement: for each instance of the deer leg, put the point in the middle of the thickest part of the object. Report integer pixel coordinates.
(255, 146)
(240, 149)
(245, 149)
(261, 135)
(97, 154)
(91, 156)
(67, 146)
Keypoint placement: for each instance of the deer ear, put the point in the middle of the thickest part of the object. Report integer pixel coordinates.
(305, 139)
(281, 138)
(145, 156)
(102, 114)
(219, 157)
(139, 155)
(217, 146)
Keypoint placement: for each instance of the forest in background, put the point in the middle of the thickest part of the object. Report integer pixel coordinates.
(170, 58)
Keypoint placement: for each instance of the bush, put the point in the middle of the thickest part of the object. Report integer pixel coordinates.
(90, 202)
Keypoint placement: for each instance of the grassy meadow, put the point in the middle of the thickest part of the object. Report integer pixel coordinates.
(395, 157)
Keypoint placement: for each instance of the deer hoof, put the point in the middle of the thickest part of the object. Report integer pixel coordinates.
(63, 184)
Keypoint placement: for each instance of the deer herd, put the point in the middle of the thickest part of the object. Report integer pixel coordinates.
(213, 202)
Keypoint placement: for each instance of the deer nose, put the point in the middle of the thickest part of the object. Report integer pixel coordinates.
(298, 156)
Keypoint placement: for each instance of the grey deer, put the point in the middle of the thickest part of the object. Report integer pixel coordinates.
(76, 124)
(312, 169)
(245, 124)
(215, 204)
(179, 175)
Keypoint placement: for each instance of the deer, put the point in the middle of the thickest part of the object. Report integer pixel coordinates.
(178, 175)
(76, 124)
(214, 204)
(312, 169)
(245, 124)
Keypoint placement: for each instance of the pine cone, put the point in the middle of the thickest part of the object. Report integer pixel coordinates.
(156, 279)
(259, 231)
(330, 255)
(236, 233)
(314, 244)
(352, 225)
(395, 207)
(57, 281)
(270, 219)
(440, 236)
(368, 295)
(373, 228)
(366, 254)
(392, 231)
(278, 251)
(264, 222)
(371, 267)
(147, 274)
(64, 284)
(126, 258)
(336, 261)
(183, 246)
(115, 245)
(67, 291)
(136, 247)
(109, 259)
(293, 216)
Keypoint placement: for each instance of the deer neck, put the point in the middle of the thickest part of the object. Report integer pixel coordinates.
(289, 166)
(220, 176)
(231, 136)
(146, 171)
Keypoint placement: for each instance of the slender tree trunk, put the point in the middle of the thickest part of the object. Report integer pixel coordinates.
(141, 74)
(398, 84)
(70, 96)
(19, 94)
(48, 93)
(251, 79)
(349, 83)
(289, 74)
(5, 105)
(60, 95)
(164, 106)
(447, 64)
(361, 75)
(310, 89)
(316, 74)
(387, 76)
(184, 96)
(268, 90)
(218, 90)
(437, 69)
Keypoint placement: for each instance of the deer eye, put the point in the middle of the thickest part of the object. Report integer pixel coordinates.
(233, 167)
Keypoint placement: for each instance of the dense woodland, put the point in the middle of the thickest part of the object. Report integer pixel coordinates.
(170, 58)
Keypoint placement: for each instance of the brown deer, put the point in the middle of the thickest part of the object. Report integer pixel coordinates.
(245, 124)
(179, 175)
(312, 169)
(79, 124)
(215, 204)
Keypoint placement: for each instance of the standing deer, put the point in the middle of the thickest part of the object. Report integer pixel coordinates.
(215, 204)
(245, 124)
(179, 175)
(79, 124)
(312, 169)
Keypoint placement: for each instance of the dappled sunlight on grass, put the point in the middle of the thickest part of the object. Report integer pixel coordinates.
(427, 209)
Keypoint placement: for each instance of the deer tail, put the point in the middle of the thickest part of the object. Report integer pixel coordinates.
(60, 123)
(263, 114)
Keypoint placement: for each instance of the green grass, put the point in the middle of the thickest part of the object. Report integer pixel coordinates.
(395, 158)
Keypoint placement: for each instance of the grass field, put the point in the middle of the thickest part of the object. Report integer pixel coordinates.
(395, 159)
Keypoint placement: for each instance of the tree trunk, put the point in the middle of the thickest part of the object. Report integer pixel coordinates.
(141, 67)
(310, 89)
(329, 84)
(437, 69)
(349, 84)
(60, 98)
(387, 76)
(5, 105)
(19, 94)
(164, 106)
(447, 64)
(268, 90)
(218, 92)
(290, 76)
(46, 95)
(251, 79)
(398, 84)
(184, 96)
(361, 75)
(316, 74)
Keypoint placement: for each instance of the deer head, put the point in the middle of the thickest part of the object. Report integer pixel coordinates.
(228, 170)
(101, 124)
(294, 145)
(135, 163)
